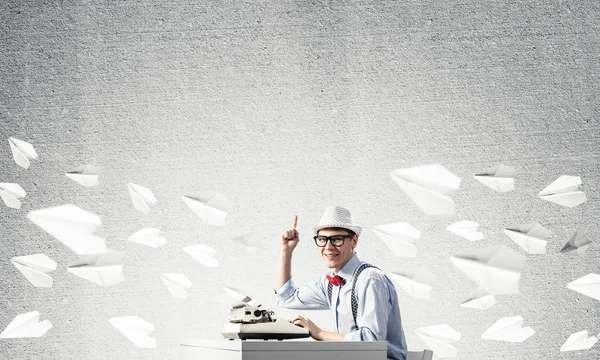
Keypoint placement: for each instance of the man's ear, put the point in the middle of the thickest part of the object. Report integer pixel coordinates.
(354, 241)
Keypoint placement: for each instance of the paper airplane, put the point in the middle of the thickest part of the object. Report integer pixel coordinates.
(22, 152)
(26, 326)
(86, 175)
(579, 341)
(149, 237)
(530, 237)
(11, 193)
(136, 329)
(72, 226)
(480, 299)
(203, 254)
(428, 186)
(500, 178)
(34, 268)
(438, 338)
(399, 238)
(466, 229)
(239, 298)
(142, 197)
(578, 243)
(588, 285)
(508, 329)
(105, 269)
(210, 206)
(249, 239)
(416, 283)
(495, 269)
(563, 191)
(176, 284)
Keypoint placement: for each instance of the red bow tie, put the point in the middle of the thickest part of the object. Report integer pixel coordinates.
(336, 280)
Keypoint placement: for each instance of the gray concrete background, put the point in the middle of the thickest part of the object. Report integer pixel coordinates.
(286, 107)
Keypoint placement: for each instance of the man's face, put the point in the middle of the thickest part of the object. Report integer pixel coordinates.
(336, 257)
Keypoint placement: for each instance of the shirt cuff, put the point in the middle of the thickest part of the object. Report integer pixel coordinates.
(353, 336)
(288, 289)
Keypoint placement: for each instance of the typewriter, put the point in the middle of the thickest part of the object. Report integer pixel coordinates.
(251, 322)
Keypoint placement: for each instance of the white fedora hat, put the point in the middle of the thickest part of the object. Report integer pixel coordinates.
(337, 217)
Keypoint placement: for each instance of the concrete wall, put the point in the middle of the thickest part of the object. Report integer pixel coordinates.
(286, 107)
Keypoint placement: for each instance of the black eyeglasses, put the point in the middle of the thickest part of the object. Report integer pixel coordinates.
(335, 240)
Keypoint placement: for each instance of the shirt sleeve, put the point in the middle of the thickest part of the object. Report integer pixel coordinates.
(372, 313)
(309, 296)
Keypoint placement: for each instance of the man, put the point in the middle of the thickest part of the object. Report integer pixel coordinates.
(376, 314)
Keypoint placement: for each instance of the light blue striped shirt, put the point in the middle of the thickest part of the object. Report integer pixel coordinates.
(378, 315)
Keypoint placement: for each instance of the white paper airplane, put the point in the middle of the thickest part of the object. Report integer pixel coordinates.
(149, 237)
(105, 269)
(35, 268)
(579, 242)
(588, 285)
(508, 329)
(210, 206)
(72, 226)
(136, 329)
(428, 186)
(141, 197)
(176, 284)
(579, 341)
(563, 191)
(399, 238)
(11, 193)
(86, 175)
(250, 239)
(495, 269)
(416, 283)
(466, 229)
(530, 237)
(500, 178)
(480, 299)
(239, 298)
(26, 326)
(203, 254)
(438, 338)
(22, 152)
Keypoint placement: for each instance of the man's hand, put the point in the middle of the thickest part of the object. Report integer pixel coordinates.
(313, 330)
(290, 238)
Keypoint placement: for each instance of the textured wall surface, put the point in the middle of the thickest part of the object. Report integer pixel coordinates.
(286, 107)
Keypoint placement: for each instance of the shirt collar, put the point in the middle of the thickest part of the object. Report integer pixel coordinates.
(348, 269)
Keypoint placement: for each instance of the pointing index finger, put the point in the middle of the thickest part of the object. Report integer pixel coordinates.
(295, 222)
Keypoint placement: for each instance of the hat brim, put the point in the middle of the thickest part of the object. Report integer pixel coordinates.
(356, 229)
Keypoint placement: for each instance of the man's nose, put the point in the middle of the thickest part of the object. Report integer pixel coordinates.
(329, 245)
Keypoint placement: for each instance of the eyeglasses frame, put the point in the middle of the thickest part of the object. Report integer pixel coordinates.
(328, 239)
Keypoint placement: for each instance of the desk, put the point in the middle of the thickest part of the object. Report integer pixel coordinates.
(198, 349)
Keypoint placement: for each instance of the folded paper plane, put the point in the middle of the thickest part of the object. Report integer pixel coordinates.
(563, 191)
(203, 254)
(579, 341)
(500, 178)
(211, 207)
(149, 237)
(480, 299)
(104, 269)
(438, 338)
(141, 197)
(35, 268)
(136, 329)
(466, 229)
(72, 226)
(22, 152)
(26, 326)
(495, 269)
(530, 237)
(250, 240)
(176, 284)
(11, 193)
(416, 283)
(508, 329)
(588, 285)
(86, 175)
(399, 238)
(579, 243)
(239, 298)
(428, 187)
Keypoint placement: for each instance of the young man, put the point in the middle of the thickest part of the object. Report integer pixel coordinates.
(362, 298)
